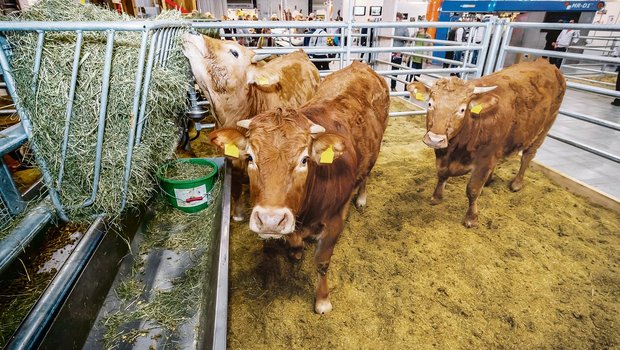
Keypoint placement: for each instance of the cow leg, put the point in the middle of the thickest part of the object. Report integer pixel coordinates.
(236, 188)
(517, 183)
(295, 246)
(490, 179)
(478, 177)
(360, 202)
(322, 258)
(442, 177)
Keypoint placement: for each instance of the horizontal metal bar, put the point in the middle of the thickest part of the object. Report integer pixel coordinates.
(33, 328)
(598, 27)
(588, 69)
(594, 89)
(415, 39)
(11, 138)
(7, 111)
(406, 113)
(590, 80)
(11, 26)
(585, 147)
(417, 24)
(20, 237)
(332, 24)
(589, 119)
(577, 56)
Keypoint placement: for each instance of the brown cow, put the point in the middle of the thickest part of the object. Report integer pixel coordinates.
(297, 189)
(239, 87)
(473, 124)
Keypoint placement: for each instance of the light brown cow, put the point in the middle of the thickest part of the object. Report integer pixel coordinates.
(473, 124)
(240, 88)
(297, 189)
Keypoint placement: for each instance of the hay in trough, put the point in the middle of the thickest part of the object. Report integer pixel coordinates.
(180, 171)
(160, 314)
(46, 106)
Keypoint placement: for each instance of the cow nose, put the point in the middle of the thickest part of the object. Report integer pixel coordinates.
(272, 220)
(435, 141)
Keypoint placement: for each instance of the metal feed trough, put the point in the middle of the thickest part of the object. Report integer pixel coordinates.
(80, 286)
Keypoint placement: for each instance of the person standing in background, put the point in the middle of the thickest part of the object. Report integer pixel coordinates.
(565, 39)
(397, 57)
(415, 62)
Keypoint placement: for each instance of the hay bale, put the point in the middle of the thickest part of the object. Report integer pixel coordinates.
(47, 106)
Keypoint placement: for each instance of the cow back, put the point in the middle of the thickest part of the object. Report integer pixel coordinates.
(529, 97)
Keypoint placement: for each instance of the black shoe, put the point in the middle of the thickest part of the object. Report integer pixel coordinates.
(616, 102)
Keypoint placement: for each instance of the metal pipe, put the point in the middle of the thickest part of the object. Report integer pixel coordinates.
(577, 56)
(103, 106)
(19, 26)
(587, 69)
(502, 51)
(31, 225)
(594, 89)
(589, 119)
(134, 115)
(589, 80)
(65, 140)
(37, 61)
(33, 328)
(490, 63)
(585, 147)
(147, 83)
(598, 27)
(485, 49)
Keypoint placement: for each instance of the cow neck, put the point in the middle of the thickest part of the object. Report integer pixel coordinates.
(232, 106)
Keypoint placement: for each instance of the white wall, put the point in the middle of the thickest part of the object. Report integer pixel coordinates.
(412, 8)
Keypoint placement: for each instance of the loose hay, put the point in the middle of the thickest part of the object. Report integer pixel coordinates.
(47, 106)
(541, 271)
(180, 171)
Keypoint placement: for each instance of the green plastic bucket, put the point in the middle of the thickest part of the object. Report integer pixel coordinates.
(192, 195)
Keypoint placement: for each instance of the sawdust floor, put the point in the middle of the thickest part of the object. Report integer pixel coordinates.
(540, 271)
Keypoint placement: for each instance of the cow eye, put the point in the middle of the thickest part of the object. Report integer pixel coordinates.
(249, 158)
(234, 53)
(304, 161)
(462, 110)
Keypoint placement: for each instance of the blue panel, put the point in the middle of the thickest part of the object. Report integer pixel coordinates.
(521, 6)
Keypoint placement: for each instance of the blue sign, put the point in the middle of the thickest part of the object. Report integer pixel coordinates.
(520, 6)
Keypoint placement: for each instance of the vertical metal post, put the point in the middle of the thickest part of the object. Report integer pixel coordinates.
(485, 48)
(349, 29)
(134, 115)
(342, 40)
(147, 83)
(37, 60)
(10, 194)
(497, 34)
(74, 72)
(105, 88)
(157, 46)
(502, 51)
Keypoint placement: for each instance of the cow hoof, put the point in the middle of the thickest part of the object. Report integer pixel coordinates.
(515, 186)
(435, 200)
(470, 222)
(238, 218)
(322, 306)
(360, 202)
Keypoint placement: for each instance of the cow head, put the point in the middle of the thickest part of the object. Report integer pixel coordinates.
(282, 148)
(450, 103)
(223, 66)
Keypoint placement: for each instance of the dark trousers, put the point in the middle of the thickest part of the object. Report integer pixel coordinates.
(414, 65)
(558, 60)
(617, 100)
(396, 60)
(323, 65)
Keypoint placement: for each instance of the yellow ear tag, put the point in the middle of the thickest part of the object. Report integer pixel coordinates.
(231, 150)
(262, 81)
(419, 96)
(327, 157)
(476, 109)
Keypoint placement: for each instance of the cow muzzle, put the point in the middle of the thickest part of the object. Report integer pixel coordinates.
(435, 141)
(272, 222)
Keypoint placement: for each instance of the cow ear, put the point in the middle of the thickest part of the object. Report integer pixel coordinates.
(483, 105)
(418, 91)
(326, 148)
(263, 77)
(229, 140)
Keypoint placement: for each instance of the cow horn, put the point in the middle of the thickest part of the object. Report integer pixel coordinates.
(245, 123)
(483, 89)
(258, 58)
(316, 129)
(427, 82)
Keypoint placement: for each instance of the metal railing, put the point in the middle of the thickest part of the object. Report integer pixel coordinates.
(497, 62)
